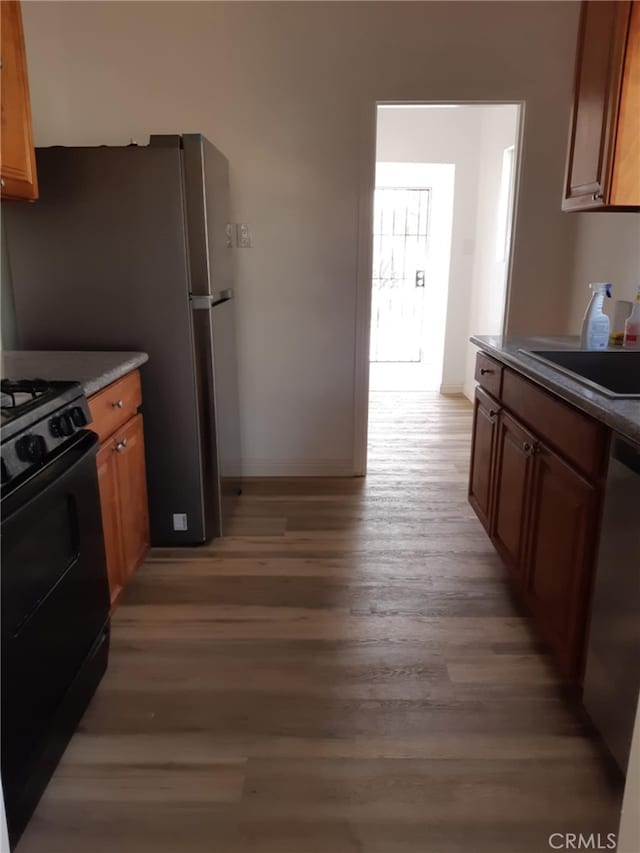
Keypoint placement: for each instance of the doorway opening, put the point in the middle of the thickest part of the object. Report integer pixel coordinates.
(441, 234)
(413, 210)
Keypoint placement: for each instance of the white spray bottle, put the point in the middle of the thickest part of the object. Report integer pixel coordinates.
(595, 326)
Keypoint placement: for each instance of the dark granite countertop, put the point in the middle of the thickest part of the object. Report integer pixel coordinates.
(621, 415)
(94, 370)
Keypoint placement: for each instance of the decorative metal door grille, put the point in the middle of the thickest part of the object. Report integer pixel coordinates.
(400, 243)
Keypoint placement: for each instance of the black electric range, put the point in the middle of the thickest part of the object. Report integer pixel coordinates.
(54, 589)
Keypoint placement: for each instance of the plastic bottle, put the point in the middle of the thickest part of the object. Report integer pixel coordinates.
(595, 326)
(632, 326)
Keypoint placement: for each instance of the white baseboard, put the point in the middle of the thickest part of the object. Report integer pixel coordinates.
(451, 390)
(296, 468)
(469, 392)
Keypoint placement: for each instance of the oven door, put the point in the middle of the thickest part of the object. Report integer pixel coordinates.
(55, 598)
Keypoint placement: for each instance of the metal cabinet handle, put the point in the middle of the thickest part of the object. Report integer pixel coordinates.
(596, 196)
(120, 446)
(493, 413)
(484, 370)
(2, 183)
(118, 404)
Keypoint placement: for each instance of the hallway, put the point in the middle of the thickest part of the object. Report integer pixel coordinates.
(347, 672)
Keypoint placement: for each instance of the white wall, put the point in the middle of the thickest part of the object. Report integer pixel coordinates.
(287, 91)
(607, 249)
(489, 277)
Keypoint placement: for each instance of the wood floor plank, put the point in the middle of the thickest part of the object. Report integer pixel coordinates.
(346, 673)
(156, 782)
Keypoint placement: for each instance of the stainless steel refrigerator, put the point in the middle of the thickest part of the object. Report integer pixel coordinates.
(128, 248)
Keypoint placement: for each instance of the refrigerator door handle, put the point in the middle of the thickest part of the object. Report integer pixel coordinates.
(205, 302)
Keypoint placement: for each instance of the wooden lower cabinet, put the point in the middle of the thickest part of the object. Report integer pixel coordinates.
(482, 453)
(123, 487)
(515, 448)
(561, 541)
(542, 513)
(110, 507)
(132, 490)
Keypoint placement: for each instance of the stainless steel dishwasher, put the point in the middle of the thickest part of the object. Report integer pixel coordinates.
(612, 678)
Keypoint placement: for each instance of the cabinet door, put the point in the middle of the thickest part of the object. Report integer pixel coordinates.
(513, 469)
(482, 451)
(132, 490)
(110, 507)
(18, 166)
(625, 189)
(599, 67)
(560, 555)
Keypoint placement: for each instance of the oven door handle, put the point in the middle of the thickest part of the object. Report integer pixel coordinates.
(49, 476)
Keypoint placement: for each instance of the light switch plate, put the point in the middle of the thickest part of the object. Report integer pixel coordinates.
(243, 236)
(180, 521)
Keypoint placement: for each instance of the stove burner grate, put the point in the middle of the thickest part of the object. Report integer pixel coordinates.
(15, 393)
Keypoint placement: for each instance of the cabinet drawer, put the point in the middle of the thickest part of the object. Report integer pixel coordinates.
(489, 374)
(115, 405)
(579, 438)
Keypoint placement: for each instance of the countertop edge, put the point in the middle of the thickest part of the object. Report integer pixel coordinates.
(91, 387)
(94, 370)
(572, 392)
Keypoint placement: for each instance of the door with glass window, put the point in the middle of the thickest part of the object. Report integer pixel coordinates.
(400, 248)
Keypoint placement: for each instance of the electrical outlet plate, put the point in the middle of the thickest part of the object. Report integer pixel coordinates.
(180, 521)
(243, 236)
(229, 236)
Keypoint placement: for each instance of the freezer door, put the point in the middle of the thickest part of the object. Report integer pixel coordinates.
(206, 176)
(100, 263)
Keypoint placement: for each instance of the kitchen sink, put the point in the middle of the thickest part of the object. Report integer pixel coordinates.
(611, 372)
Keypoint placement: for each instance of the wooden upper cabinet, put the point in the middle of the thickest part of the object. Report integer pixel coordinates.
(603, 166)
(625, 189)
(17, 155)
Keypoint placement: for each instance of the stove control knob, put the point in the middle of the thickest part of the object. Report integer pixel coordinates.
(54, 427)
(31, 448)
(78, 416)
(66, 424)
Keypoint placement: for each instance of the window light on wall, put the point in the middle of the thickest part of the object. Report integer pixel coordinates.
(505, 203)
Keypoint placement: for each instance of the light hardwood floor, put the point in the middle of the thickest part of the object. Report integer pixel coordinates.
(346, 673)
